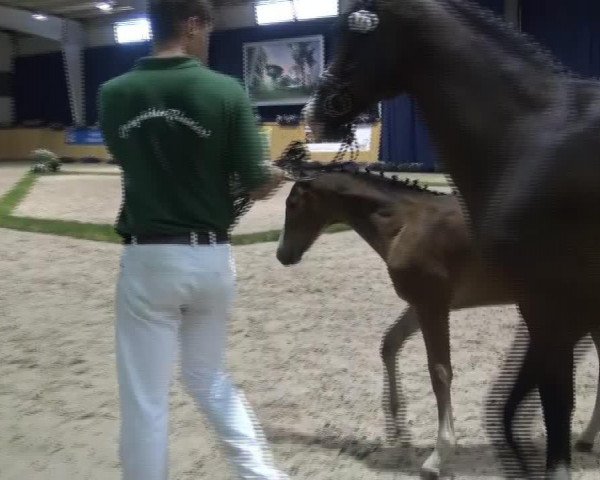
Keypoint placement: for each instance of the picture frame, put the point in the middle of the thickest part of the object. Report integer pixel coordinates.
(284, 71)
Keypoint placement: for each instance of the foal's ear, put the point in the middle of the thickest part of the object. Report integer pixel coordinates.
(304, 185)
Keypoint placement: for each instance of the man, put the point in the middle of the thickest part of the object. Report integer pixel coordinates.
(181, 133)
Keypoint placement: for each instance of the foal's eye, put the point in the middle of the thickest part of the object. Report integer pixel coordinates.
(385, 212)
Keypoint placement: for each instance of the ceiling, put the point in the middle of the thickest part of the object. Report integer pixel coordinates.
(87, 9)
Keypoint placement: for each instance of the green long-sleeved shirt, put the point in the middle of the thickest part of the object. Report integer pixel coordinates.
(180, 131)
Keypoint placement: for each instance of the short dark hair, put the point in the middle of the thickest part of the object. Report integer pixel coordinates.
(166, 16)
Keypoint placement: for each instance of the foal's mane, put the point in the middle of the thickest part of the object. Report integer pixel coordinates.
(295, 161)
(375, 179)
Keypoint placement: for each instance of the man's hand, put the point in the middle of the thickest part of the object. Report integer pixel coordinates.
(276, 178)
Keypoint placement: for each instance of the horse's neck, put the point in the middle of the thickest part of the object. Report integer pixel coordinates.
(472, 94)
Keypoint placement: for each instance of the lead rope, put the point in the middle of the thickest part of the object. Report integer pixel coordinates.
(349, 146)
(296, 153)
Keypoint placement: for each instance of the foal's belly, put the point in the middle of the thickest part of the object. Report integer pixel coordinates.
(479, 286)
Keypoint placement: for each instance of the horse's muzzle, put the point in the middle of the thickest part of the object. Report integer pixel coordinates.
(336, 105)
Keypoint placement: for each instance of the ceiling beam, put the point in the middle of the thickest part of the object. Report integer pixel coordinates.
(77, 8)
(21, 21)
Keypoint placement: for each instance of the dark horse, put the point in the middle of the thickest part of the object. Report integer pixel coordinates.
(520, 138)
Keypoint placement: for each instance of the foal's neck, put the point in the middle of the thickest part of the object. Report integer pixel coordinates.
(375, 216)
(473, 91)
(364, 225)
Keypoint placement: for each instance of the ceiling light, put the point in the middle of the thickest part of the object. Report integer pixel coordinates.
(274, 11)
(40, 17)
(105, 6)
(136, 30)
(308, 9)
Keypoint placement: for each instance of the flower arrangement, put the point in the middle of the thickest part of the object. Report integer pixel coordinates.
(288, 120)
(44, 161)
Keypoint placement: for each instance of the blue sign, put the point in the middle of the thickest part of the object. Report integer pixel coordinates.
(84, 136)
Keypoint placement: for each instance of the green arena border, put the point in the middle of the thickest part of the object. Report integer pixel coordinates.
(92, 231)
(100, 232)
(90, 173)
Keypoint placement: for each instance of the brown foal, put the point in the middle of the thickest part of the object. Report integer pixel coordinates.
(423, 239)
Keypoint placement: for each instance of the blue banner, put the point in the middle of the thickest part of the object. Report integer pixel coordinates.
(84, 136)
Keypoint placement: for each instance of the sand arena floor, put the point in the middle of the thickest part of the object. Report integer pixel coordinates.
(304, 346)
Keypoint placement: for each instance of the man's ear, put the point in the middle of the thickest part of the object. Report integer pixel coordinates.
(193, 25)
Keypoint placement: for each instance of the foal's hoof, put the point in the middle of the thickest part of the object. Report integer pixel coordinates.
(583, 446)
(430, 470)
(432, 474)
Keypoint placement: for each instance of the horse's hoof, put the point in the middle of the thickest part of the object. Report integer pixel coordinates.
(583, 446)
(561, 472)
(397, 437)
(392, 436)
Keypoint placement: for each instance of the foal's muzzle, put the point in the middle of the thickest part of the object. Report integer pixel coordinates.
(287, 258)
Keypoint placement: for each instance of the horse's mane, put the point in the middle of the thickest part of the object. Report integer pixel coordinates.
(516, 42)
(485, 21)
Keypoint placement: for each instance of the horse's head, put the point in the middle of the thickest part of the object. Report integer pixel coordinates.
(305, 219)
(373, 50)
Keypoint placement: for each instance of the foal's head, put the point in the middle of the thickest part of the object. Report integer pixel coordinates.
(313, 205)
(306, 216)
(337, 196)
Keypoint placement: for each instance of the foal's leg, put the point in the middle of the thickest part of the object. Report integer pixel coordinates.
(586, 439)
(406, 324)
(436, 333)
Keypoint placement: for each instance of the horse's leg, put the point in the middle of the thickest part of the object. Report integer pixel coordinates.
(523, 385)
(406, 324)
(587, 438)
(436, 333)
(554, 331)
(512, 386)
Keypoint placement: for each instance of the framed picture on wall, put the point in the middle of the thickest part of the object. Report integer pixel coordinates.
(283, 72)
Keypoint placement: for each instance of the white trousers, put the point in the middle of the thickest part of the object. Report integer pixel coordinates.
(171, 296)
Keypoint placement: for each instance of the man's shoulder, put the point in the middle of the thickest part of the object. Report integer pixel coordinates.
(227, 83)
(115, 84)
(219, 84)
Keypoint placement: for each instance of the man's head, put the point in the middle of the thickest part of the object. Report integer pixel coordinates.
(182, 23)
